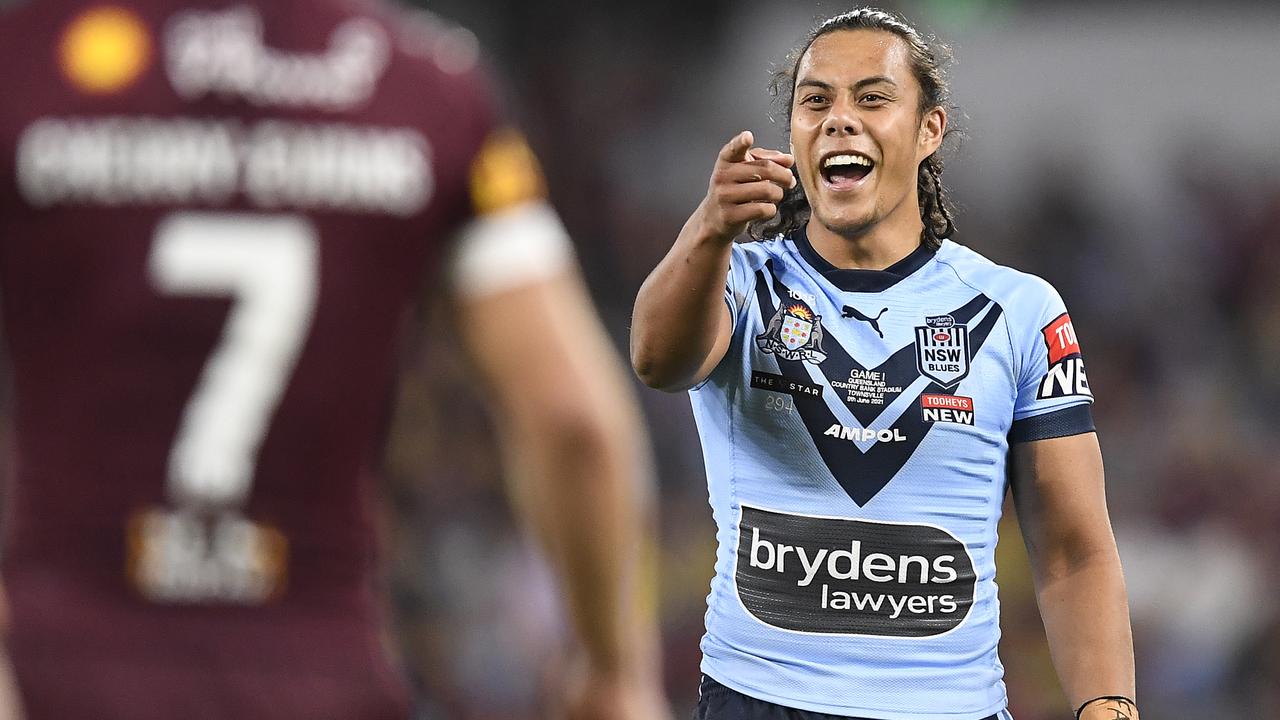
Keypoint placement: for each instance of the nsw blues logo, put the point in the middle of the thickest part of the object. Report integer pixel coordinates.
(794, 333)
(942, 350)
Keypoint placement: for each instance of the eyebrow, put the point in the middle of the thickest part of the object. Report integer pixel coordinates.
(864, 82)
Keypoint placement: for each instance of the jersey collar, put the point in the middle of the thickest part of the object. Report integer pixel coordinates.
(853, 280)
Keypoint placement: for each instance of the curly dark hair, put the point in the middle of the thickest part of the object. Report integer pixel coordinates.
(928, 56)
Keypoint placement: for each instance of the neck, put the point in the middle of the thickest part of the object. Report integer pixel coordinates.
(873, 248)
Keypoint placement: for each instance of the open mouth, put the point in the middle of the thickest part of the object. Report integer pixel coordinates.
(846, 170)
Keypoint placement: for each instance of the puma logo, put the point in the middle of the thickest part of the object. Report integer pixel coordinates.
(852, 312)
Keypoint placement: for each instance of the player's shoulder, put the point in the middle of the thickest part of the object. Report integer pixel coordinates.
(422, 36)
(755, 254)
(1016, 291)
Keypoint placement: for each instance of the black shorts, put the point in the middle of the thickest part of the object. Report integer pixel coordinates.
(717, 702)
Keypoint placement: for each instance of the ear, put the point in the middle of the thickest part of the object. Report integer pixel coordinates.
(933, 126)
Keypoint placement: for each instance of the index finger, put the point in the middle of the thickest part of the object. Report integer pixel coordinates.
(736, 149)
(777, 156)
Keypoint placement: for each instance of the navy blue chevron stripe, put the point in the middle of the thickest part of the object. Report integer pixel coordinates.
(863, 475)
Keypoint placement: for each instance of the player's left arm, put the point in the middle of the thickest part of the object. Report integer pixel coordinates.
(1061, 504)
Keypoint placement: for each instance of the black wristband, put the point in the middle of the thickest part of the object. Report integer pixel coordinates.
(1087, 703)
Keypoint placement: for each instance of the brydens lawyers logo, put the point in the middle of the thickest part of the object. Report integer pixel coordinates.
(794, 333)
(104, 49)
(844, 576)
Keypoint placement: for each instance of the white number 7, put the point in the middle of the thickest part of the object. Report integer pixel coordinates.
(269, 266)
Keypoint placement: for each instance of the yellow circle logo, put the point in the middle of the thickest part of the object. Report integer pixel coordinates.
(105, 49)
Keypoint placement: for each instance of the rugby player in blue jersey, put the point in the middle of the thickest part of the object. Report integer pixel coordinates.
(861, 384)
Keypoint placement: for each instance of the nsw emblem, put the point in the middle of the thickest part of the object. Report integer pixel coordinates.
(942, 350)
(794, 333)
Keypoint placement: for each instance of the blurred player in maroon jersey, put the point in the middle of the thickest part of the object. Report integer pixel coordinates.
(214, 218)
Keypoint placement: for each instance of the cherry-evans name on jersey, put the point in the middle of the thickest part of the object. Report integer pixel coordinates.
(123, 161)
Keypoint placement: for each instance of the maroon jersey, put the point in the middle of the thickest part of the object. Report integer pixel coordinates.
(214, 217)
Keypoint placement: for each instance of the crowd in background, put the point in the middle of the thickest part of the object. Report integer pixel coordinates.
(1139, 180)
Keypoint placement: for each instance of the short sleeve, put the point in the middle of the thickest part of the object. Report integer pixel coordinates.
(511, 235)
(738, 285)
(1053, 395)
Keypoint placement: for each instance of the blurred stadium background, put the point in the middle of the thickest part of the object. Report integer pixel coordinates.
(1127, 152)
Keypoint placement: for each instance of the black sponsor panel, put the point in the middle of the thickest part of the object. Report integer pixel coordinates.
(777, 383)
(832, 575)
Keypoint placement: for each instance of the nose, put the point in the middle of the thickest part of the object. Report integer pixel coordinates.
(842, 119)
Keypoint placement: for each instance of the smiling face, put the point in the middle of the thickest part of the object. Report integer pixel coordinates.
(859, 135)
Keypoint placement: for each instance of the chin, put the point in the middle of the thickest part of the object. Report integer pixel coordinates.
(846, 225)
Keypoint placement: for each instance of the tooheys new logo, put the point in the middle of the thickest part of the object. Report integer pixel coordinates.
(1065, 376)
(840, 576)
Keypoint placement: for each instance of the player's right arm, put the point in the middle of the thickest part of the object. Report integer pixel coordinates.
(577, 460)
(10, 702)
(681, 326)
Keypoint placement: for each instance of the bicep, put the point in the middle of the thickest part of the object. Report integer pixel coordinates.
(1058, 490)
(540, 347)
(720, 346)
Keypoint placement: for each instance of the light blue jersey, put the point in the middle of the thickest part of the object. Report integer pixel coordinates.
(855, 438)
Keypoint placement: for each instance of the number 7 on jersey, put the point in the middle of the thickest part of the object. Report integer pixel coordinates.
(269, 265)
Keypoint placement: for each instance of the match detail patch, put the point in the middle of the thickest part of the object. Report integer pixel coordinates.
(851, 577)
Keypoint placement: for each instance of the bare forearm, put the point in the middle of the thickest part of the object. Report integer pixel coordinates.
(679, 308)
(582, 487)
(1086, 619)
(1059, 492)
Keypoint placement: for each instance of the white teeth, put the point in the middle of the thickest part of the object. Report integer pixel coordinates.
(846, 160)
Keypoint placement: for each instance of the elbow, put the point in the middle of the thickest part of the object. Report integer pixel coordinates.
(656, 374)
(1072, 561)
(649, 371)
(655, 369)
(583, 432)
(660, 357)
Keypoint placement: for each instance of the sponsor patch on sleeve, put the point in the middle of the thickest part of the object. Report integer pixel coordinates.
(1065, 376)
(1060, 337)
(851, 577)
(505, 174)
